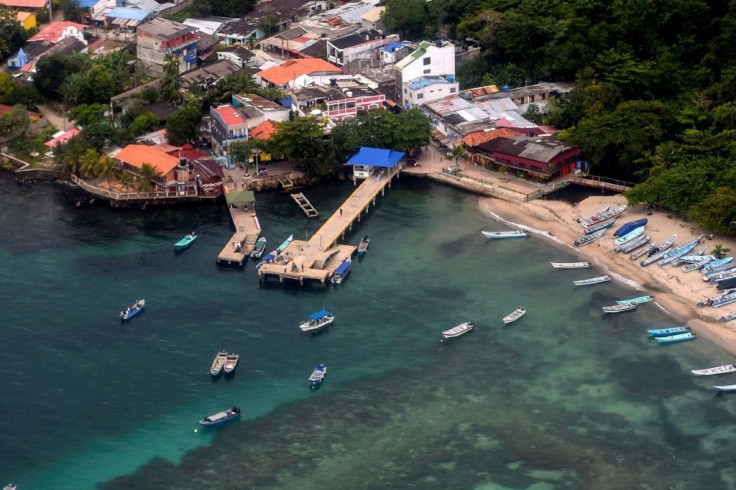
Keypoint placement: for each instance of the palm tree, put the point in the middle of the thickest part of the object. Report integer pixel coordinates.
(148, 176)
(107, 169)
(88, 163)
(126, 180)
(458, 152)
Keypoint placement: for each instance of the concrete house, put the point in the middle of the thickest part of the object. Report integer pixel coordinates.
(362, 45)
(160, 38)
(430, 59)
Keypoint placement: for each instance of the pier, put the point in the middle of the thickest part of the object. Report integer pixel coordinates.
(305, 205)
(242, 211)
(318, 257)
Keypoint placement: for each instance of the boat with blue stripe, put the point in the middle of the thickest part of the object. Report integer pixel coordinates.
(629, 236)
(342, 271)
(676, 338)
(220, 418)
(638, 300)
(666, 332)
(185, 243)
(679, 252)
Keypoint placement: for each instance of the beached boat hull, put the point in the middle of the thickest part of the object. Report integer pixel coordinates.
(675, 338)
(638, 301)
(629, 236)
(668, 332)
(592, 280)
(630, 226)
(725, 369)
(570, 265)
(504, 234)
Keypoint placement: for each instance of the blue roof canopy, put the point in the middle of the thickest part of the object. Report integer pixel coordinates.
(376, 157)
(87, 4)
(131, 13)
(319, 314)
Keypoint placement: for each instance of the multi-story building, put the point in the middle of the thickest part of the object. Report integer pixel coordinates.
(228, 125)
(160, 38)
(430, 59)
(362, 45)
(428, 89)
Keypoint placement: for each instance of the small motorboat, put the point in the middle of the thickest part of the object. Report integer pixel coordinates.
(185, 243)
(513, 316)
(725, 369)
(570, 265)
(133, 310)
(317, 376)
(342, 271)
(676, 338)
(457, 331)
(363, 245)
(644, 251)
(586, 239)
(639, 300)
(666, 332)
(259, 248)
(317, 321)
(630, 226)
(629, 236)
(505, 234)
(231, 362)
(725, 388)
(592, 280)
(220, 418)
(619, 308)
(218, 363)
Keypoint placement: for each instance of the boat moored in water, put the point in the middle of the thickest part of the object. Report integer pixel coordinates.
(133, 310)
(570, 265)
(317, 321)
(592, 280)
(317, 376)
(342, 271)
(666, 332)
(220, 418)
(638, 300)
(671, 339)
(619, 308)
(457, 331)
(363, 245)
(505, 234)
(231, 362)
(725, 369)
(514, 315)
(218, 363)
(725, 388)
(259, 247)
(185, 243)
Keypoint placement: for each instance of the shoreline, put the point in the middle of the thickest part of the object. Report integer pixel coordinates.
(675, 291)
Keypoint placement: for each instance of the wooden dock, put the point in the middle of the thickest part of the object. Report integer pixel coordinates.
(286, 182)
(306, 206)
(240, 245)
(318, 257)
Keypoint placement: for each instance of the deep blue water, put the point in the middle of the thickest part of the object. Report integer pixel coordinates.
(564, 398)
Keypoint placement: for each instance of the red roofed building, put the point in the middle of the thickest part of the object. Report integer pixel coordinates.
(56, 31)
(541, 157)
(25, 4)
(228, 125)
(264, 130)
(132, 158)
(284, 75)
(62, 138)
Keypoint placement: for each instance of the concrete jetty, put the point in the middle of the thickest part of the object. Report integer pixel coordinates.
(247, 229)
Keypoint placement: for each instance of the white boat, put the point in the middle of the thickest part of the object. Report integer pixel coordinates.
(619, 308)
(592, 280)
(599, 225)
(634, 244)
(570, 265)
(585, 239)
(457, 331)
(725, 388)
(658, 252)
(629, 236)
(317, 321)
(218, 363)
(515, 315)
(318, 375)
(594, 216)
(602, 215)
(696, 266)
(728, 318)
(643, 251)
(259, 247)
(725, 369)
(505, 234)
(342, 271)
(231, 362)
(363, 245)
(675, 254)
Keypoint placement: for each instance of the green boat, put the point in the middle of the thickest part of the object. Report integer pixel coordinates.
(185, 243)
(636, 301)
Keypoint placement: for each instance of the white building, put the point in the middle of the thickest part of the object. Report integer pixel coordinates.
(363, 45)
(430, 59)
(428, 89)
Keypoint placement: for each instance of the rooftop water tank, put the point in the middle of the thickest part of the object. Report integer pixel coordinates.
(450, 78)
(505, 88)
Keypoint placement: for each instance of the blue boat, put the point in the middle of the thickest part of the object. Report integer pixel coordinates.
(317, 376)
(185, 242)
(630, 226)
(717, 264)
(675, 338)
(666, 332)
(639, 300)
(342, 271)
(133, 310)
(221, 417)
(317, 321)
(679, 252)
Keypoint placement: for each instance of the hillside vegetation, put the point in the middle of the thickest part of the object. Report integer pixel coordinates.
(655, 95)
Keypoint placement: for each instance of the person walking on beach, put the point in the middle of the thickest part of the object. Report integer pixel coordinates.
(340, 211)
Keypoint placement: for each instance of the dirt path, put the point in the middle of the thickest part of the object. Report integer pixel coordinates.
(55, 118)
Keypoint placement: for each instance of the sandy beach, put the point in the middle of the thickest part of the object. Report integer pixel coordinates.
(674, 290)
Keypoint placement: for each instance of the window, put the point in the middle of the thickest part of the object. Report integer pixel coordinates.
(427, 61)
(453, 90)
(405, 91)
(427, 71)
(420, 96)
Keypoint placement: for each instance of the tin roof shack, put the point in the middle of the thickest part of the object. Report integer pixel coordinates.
(159, 38)
(541, 157)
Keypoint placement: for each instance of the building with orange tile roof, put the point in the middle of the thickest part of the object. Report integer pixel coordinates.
(26, 19)
(135, 156)
(286, 74)
(25, 4)
(264, 130)
(478, 137)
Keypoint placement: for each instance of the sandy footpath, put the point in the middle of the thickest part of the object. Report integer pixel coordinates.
(674, 290)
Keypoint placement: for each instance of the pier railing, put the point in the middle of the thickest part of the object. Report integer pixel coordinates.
(133, 196)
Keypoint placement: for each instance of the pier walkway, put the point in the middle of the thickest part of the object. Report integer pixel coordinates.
(318, 257)
(306, 206)
(247, 229)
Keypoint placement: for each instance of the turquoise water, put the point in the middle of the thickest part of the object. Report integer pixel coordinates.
(564, 398)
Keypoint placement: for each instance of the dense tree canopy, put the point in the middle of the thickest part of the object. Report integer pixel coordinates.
(655, 84)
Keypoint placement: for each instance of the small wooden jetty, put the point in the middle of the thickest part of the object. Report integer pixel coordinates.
(306, 206)
(247, 228)
(319, 256)
(286, 182)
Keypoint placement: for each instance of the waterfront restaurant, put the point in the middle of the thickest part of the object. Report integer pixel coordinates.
(543, 158)
(174, 175)
(368, 159)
